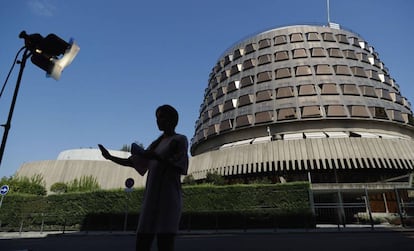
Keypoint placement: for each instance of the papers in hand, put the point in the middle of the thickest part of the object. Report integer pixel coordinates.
(139, 162)
(136, 149)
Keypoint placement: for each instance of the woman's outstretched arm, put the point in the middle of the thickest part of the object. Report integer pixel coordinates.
(117, 160)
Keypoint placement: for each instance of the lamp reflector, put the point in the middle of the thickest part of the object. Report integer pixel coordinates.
(61, 63)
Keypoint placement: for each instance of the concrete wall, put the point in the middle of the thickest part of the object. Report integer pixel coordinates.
(306, 154)
(108, 174)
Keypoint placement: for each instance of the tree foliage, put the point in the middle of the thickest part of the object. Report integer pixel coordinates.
(215, 179)
(34, 185)
(189, 180)
(59, 187)
(84, 184)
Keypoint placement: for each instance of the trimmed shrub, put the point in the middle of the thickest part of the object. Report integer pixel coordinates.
(59, 187)
(204, 206)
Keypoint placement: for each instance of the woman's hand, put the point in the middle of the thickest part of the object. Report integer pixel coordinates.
(104, 151)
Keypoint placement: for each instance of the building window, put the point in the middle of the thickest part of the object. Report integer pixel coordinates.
(342, 38)
(228, 59)
(363, 57)
(349, 89)
(217, 110)
(280, 40)
(245, 100)
(264, 59)
(311, 111)
(250, 48)
(286, 113)
(350, 54)
(213, 82)
(264, 43)
(378, 112)
(221, 91)
(396, 115)
(373, 75)
(263, 117)
(207, 115)
(381, 77)
(246, 81)
(336, 111)
(383, 93)
(368, 91)
(354, 41)
(335, 52)
(342, 70)
(406, 103)
(226, 125)
(358, 71)
(224, 75)
(313, 36)
(234, 85)
(318, 52)
(210, 98)
(323, 69)
(396, 98)
(299, 53)
(238, 53)
(229, 105)
(263, 95)
(329, 89)
(284, 92)
(212, 130)
(306, 90)
(328, 37)
(378, 63)
(363, 44)
(359, 111)
(303, 70)
(283, 73)
(281, 55)
(264, 76)
(235, 69)
(296, 37)
(387, 80)
(249, 63)
(244, 120)
(201, 135)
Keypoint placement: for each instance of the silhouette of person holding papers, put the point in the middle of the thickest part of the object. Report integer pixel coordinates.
(165, 160)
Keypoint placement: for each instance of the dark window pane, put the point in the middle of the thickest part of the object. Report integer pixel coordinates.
(281, 55)
(306, 90)
(263, 117)
(280, 40)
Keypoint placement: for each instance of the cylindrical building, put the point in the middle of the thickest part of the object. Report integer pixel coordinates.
(303, 102)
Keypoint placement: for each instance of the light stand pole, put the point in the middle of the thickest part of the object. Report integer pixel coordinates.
(26, 55)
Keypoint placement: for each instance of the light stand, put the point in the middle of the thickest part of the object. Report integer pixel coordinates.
(44, 53)
(26, 55)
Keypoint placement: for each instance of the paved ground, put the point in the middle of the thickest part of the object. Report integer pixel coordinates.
(364, 240)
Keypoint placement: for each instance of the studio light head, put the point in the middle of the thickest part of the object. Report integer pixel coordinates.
(52, 54)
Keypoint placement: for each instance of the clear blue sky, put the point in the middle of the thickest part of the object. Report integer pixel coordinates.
(137, 55)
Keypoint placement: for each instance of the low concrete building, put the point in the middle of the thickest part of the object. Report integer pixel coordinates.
(78, 163)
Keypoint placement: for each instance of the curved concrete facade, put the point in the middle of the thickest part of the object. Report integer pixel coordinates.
(77, 163)
(302, 98)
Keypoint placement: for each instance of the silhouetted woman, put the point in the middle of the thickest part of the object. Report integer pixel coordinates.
(166, 159)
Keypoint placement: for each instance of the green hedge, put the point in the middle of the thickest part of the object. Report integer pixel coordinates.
(292, 197)
(205, 206)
